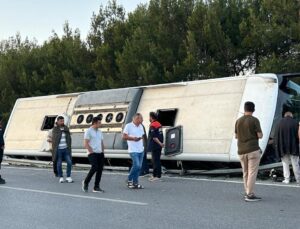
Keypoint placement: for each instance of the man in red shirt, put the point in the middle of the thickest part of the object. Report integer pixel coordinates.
(155, 145)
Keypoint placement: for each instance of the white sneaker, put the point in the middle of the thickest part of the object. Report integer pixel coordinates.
(152, 179)
(61, 180)
(285, 181)
(69, 180)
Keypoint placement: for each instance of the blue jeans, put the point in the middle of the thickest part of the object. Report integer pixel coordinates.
(63, 154)
(137, 160)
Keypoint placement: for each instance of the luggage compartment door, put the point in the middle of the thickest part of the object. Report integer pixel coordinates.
(173, 145)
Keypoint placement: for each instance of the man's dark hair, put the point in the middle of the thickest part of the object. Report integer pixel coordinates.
(249, 107)
(137, 114)
(153, 115)
(287, 108)
(95, 120)
(60, 118)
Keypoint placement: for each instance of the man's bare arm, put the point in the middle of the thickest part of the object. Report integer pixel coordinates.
(158, 142)
(102, 144)
(128, 138)
(87, 145)
(259, 135)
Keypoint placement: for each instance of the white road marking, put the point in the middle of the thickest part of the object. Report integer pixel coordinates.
(233, 182)
(177, 178)
(75, 196)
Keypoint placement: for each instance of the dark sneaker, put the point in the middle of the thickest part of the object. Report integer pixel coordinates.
(137, 186)
(252, 198)
(2, 181)
(85, 187)
(129, 184)
(97, 189)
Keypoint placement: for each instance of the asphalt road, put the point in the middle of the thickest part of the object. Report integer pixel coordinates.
(33, 198)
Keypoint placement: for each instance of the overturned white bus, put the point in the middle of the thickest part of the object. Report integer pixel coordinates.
(198, 117)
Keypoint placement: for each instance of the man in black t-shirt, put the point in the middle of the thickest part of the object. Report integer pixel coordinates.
(287, 146)
(155, 145)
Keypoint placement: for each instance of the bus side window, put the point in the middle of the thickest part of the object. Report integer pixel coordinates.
(167, 117)
(48, 122)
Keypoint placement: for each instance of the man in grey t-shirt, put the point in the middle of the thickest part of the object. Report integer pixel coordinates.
(93, 142)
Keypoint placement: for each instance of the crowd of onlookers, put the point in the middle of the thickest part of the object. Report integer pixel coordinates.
(139, 143)
(247, 130)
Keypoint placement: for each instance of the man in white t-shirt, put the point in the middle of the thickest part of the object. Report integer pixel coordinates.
(93, 142)
(133, 133)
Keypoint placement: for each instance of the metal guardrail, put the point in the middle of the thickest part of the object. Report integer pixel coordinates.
(48, 164)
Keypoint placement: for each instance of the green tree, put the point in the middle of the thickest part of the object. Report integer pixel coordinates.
(107, 37)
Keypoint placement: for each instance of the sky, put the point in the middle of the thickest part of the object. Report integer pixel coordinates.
(38, 18)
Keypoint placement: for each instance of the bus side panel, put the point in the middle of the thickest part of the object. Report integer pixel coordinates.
(24, 130)
(206, 110)
(263, 91)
